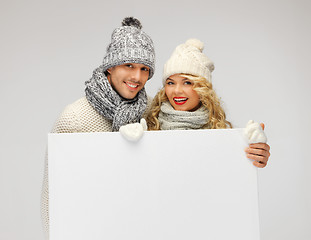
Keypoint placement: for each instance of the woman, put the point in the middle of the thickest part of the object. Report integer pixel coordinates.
(188, 101)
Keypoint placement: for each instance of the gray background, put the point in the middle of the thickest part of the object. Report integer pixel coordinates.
(261, 50)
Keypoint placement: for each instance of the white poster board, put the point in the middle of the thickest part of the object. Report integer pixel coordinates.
(195, 184)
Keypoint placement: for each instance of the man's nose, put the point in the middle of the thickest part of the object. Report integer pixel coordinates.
(136, 75)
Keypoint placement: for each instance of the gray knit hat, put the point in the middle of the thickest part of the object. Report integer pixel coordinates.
(188, 58)
(129, 44)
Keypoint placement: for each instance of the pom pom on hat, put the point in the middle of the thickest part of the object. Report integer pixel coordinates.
(188, 58)
(131, 21)
(196, 43)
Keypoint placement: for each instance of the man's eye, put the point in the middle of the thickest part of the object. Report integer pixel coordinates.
(169, 83)
(129, 65)
(145, 69)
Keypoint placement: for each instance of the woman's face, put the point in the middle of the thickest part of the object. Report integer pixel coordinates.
(180, 93)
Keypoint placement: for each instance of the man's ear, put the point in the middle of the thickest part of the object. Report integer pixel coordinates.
(107, 73)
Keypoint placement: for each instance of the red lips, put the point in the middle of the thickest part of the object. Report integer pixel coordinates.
(180, 100)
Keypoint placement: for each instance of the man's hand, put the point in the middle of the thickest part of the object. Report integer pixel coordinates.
(134, 131)
(259, 152)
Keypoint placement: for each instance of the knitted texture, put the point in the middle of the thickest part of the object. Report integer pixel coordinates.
(45, 199)
(80, 116)
(171, 119)
(77, 117)
(109, 104)
(134, 131)
(129, 44)
(254, 133)
(188, 58)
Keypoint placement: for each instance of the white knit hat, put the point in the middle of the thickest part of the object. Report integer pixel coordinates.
(189, 59)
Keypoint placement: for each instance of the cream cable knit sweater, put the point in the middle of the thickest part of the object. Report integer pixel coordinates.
(77, 117)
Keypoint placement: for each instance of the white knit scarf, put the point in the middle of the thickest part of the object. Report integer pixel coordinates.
(171, 119)
(110, 104)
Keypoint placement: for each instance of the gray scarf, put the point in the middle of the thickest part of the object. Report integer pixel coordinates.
(110, 104)
(171, 119)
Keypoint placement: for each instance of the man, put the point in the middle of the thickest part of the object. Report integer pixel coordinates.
(115, 94)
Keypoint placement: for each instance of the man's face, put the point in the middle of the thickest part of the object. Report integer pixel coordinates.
(128, 79)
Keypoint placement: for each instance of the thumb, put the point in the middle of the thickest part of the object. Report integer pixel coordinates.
(263, 126)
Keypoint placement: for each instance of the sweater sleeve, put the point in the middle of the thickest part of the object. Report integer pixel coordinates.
(45, 199)
(68, 122)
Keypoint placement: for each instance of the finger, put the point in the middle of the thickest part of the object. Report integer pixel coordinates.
(259, 165)
(264, 146)
(262, 125)
(258, 151)
(260, 159)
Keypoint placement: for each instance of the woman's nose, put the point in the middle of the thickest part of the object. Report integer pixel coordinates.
(178, 89)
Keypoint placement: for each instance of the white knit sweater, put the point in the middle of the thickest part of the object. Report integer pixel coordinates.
(77, 117)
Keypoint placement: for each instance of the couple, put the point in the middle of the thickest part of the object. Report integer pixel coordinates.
(115, 95)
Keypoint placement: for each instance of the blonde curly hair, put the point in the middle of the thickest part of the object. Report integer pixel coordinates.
(208, 97)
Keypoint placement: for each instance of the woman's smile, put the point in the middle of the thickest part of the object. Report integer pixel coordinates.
(180, 100)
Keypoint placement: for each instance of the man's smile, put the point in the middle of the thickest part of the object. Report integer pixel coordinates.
(132, 86)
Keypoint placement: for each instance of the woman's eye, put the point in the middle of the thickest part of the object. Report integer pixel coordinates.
(145, 69)
(169, 83)
(129, 65)
(188, 83)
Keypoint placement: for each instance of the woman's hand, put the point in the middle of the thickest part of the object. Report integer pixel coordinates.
(259, 152)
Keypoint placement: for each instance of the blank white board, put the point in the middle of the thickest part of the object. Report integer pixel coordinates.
(194, 184)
